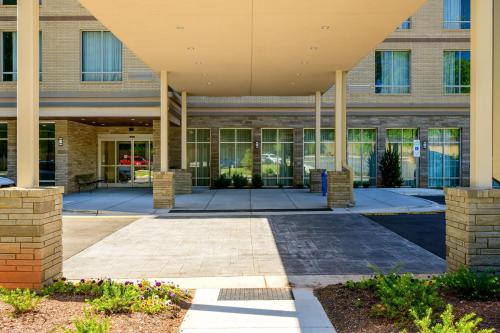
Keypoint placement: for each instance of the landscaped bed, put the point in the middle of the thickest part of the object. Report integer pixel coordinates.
(393, 303)
(95, 307)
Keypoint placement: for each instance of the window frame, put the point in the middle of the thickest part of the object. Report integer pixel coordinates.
(304, 142)
(195, 177)
(6, 139)
(235, 142)
(402, 142)
(14, 74)
(441, 143)
(446, 24)
(408, 21)
(363, 142)
(410, 76)
(278, 177)
(459, 86)
(82, 73)
(54, 139)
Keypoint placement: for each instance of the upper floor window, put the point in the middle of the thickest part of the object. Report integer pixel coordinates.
(406, 25)
(101, 57)
(8, 55)
(457, 72)
(8, 2)
(392, 72)
(456, 14)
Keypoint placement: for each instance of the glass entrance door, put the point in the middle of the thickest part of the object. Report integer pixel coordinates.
(125, 161)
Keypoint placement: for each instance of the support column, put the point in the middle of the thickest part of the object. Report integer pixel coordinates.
(163, 181)
(183, 178)
(340, 193)
(473, 214)
(340, 119)
(164, 121)
(184, 131)
(315, 175)
(27, 93)
(481, 93)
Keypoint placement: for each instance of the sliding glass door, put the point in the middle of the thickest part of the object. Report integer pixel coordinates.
(277, 156)
(125, 161)
(401, 139)
(327, 157)
(362, 154)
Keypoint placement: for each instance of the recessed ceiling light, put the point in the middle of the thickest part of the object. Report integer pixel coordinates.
(299, 74)
(205, 74)
(190, 48)
(93, 122)
(304, 62)
(314, 48)
(325, 27)
(83, 118)
(132, 119)
(209, 83)
(179, 27)
(292, 83)
(102, 124)
(198, 62)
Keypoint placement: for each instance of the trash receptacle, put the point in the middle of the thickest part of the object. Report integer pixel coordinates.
(324, 183)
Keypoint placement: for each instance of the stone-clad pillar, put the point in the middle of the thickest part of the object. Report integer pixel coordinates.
(163, 190)
(30, 236)
(473, 229)
(339, 189)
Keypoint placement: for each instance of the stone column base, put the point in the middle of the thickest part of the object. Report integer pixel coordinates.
(183, 182)
(473, 229)
(339, 189)
(163, 190)
(30, 236)
(315, 180)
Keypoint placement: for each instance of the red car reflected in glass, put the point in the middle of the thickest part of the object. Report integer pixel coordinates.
(138, 160)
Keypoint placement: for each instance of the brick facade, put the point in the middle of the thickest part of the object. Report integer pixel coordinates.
(473, 229)
(30, 237)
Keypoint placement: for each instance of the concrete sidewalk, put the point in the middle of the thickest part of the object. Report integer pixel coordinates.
(301, 315)
(206, 201)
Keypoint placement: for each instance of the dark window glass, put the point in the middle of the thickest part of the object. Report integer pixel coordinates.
(3, 149)
(47, 131)
(9, 2)
(9, 55)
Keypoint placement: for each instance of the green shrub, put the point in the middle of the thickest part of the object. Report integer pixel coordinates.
(398, 294)
(116, 298)
(240, 181)
(22, 300)
(222, 182)
(257, 181)
(356, 184)
(90, 324)
(471, 285)
(466, 324)
(390, 168)
(366, 184)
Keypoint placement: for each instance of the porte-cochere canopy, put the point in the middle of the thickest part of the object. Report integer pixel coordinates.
(251, 47)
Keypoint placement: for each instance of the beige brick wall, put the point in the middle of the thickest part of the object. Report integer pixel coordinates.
(61, 60)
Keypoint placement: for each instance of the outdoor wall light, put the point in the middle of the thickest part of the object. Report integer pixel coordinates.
(256, 144)
(60, 141)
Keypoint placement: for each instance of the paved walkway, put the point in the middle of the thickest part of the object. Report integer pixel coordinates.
(304, 314)
(140, 201)
(273, 246)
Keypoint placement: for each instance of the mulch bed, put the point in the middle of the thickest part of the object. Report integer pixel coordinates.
(56, 313)
(349, 310)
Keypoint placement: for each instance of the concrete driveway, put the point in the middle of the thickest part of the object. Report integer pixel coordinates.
(283, 246)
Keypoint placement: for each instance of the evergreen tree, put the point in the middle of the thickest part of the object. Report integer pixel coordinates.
(390, 168)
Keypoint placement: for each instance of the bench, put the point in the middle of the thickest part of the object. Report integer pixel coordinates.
(87, 180)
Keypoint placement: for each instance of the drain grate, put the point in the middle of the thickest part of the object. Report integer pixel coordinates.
(255, 294)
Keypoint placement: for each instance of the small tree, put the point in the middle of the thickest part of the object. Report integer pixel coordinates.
(390, 168)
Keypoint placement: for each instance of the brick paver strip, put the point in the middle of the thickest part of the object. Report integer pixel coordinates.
(255, 294)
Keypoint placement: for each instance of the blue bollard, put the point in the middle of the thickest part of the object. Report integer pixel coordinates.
(324, 185)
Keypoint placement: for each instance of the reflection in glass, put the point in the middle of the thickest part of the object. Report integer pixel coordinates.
(198, 155)
(277, 157)
(47, 154)
(235, 156)
(327, 151)
(362, 154)
(444, 157)
(3, 149)
(401, 139)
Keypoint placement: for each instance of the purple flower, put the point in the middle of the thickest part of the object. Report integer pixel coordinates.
(140, 285)
(157, 283)
(141, 297)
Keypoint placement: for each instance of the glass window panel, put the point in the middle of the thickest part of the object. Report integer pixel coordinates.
(191, 135)
(444, 158)
(369, 135)
(227, 158)
(3, 131)
(394, 135)
(354, 135)
(456, 14)
(327, 135)
(47, 164)
(268, 160)
(107, 152)
(203, 135)
(244, 135)
(47, 131)
(227, 135)
(101, 56)
(285, 135)
(3, 157)
(309, 135)
(124, 174)
(392, 72)
(269, 135)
